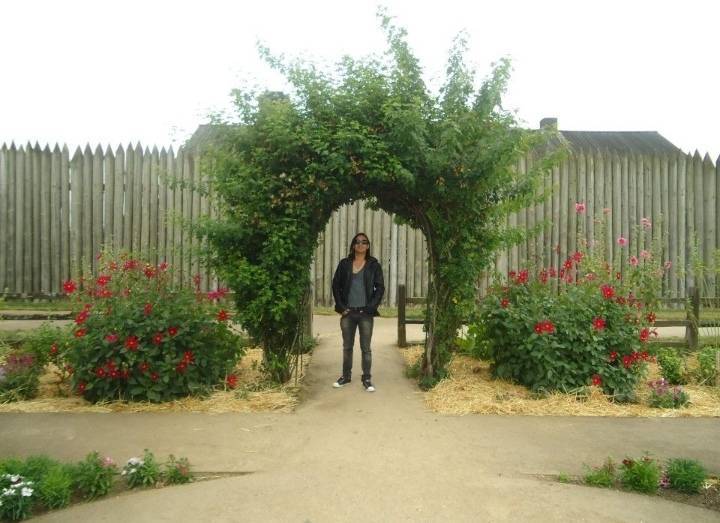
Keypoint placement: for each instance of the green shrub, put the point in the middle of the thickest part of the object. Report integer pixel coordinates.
(17, 496)
(56, 487)
(641, 475)
(94, 476)
(19, 377)
(686, 475)
(12, 466)
(603, 476)
(138, 338)
(662, 396)
(48, 343)
(143, 472)
(35, 467)
(672, 366)
(177, 471)
(475, 344)
(706, 365)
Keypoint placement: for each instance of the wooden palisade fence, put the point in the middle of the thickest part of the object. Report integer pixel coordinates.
(57, 210)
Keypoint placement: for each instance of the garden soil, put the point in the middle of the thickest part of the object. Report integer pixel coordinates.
(349, 455)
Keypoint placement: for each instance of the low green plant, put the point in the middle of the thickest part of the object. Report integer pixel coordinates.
(48, 343)
(603, 476)
(641, 475)
(475, 344)
(672, 366)
(12, 466)
(686, 475)
(19, 377)
(36, 467)
(564, 478)
(56, 487)
(143, 472)
(412, 371)
(17, 496)
(177, 471)
(94, 476)
(662, 396)
(707, 370)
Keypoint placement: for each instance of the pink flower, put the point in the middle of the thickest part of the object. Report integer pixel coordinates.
(668, 264)
(633, 261)
(646, 223)
(622, 241)
(645, 255)
(580, 207)
(111, 338)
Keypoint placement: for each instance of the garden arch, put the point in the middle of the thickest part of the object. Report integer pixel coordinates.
(441, 163)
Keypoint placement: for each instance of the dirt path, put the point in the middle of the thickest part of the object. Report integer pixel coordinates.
(349, 455)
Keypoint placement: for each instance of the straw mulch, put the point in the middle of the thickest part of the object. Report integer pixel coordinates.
(470, 389)
(252, 394)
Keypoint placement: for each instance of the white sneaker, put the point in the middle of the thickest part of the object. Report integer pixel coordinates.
(368, 385)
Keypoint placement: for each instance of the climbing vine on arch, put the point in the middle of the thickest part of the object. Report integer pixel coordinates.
(371, 129)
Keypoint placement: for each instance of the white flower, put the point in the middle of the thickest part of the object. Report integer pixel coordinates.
(14, 479)
(134, 461)
(27, 492)
(123, 472)
(131, 471)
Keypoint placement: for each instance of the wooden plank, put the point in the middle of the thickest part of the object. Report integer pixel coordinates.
(582, 196)
(20, 201)
(717, 224)
(522, 222)
(394, 262)
(155, 205)
(12, 207)
(632, 204)
(617, 213)
(170, 210)
(130, 181)
(625, 205)
(65, 263)
(402, 255)
(98, 203)
(556, 230)
(547, 215)
(656, 202)
(146, 203)
(139, 162)
(119, 211)
(45, 251)
(665, 215)
(608, 198)
(35, 240)
(674, 233)
(162, 205)
(647, 196)
(564, 199)
(681, 260)
(76, 218)
(571, 200)
(4, 218)
(195, 212)
(328, 263)
(361, 216)
(699, 214)
(425, 275)
(320, 270)
(177, 214)
(710, 207)
(187, 201)
(87, 213)
(387, 256)
(109, 199)
(689, 222)
(420, 261)
(411, 256)
(640, 201)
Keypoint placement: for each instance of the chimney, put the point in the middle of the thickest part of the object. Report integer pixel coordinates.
(549, 123)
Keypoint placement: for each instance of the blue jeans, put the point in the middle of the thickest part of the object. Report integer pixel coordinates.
(348, 325)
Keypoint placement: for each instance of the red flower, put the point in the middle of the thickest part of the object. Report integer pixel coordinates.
(577, 257)
(231, 381)
(53, 349)
(103, 280)
(223, 315)
(538, 328)
(651, 317)
(512, 275)
(522, 277)
(172, 331)
(148, 309)
(599, 324)
(80, 333)
(130, 265)
(69, 286)
(644, 335)
(628, 463)
(196, 280)
(181, 367)
(627, 361)
(114, 374)
(144, 367)
(111, 338)
(504, 303)
(613, 356)
(163, 266)
(81, 317)
(81, 387)
(543, 276)
(113, 266)
(552, 272)
(620, 300)
(104, 293)
(596, 380)
(544, 327)
(188, 356)
(154, 376)
(131, 343)
(607, 291)
(158, 338)
(100, 373)
(149, 271)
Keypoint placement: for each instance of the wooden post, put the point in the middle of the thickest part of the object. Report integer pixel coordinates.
(717, 368)
(402, 338)
(692, 331)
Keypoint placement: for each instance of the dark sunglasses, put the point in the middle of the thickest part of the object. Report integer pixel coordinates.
(364, 242)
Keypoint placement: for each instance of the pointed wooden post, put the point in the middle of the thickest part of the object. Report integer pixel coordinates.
(402, 335)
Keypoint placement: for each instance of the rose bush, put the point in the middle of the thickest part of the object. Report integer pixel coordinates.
(579, 324)
(137, 338)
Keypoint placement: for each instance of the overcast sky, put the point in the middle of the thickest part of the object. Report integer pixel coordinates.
(103, 72)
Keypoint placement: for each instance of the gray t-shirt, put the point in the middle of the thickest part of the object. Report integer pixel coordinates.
(357, 296)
